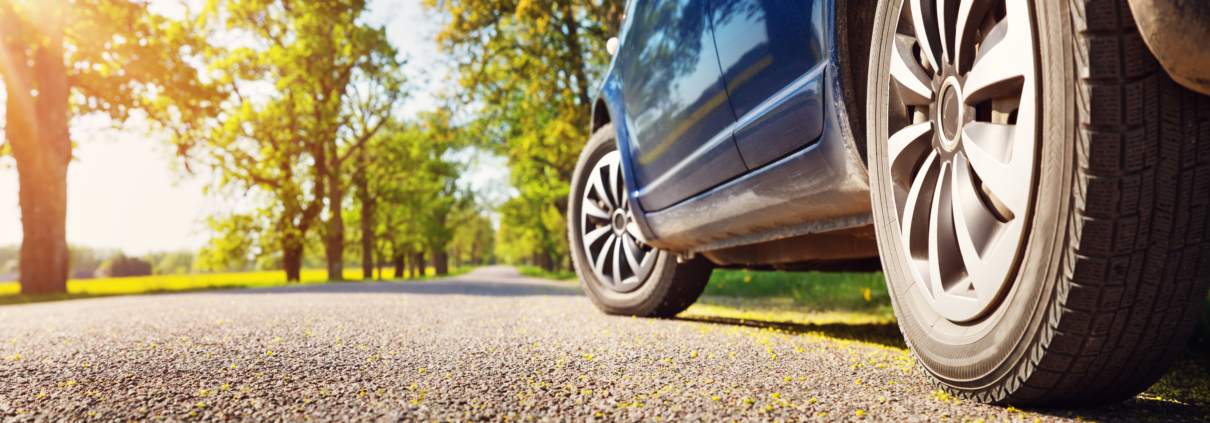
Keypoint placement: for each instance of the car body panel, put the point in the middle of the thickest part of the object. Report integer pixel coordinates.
(820, 187)
(713, 162)
(786, 121)
(765, 48)
(676, 105)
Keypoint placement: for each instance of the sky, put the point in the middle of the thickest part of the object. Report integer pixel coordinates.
(123, 194)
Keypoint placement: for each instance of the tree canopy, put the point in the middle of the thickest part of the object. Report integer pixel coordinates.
(525, 70)
(306, 86)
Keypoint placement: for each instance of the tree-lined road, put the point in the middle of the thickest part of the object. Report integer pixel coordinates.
(487, 345)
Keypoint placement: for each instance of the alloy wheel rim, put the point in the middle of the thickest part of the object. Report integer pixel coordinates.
(617, 256)
(962, 150)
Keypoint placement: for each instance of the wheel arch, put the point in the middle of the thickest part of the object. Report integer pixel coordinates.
(1169, 28)
(600, 115)
(854, 22)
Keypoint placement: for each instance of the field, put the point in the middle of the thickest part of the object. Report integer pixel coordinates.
(81, 288)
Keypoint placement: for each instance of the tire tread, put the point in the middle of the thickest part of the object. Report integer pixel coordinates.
(1138, 256)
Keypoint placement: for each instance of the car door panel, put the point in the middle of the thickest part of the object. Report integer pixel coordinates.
(676, 105)
(698, 172)
(765, 48)
(786, 121)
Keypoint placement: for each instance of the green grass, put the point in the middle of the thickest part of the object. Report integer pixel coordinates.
(821, 298)
(803, 298)
(88, 288)
(858, 292)
(538, 272)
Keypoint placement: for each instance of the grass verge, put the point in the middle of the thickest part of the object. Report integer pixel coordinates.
(863, 293)
(91, 288)
(538, 272)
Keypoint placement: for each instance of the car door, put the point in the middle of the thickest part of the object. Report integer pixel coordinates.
(771, 54)
(677, 111)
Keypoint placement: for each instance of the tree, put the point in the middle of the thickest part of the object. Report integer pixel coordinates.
(62, 59)
(524, 70)
(367, 109)
(406, 194)
(305, 88)
(474, 239)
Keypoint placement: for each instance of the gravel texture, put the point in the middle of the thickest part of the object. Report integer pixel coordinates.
(489, 345)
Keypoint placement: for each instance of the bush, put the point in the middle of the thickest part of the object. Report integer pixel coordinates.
(123, 266)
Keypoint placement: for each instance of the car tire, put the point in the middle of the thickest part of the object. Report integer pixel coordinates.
(652, 283)
(1103, 254)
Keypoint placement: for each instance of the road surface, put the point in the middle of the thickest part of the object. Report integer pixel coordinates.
(489, 345)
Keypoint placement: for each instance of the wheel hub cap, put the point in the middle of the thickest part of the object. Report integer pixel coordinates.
(618, 258)
(951, 114)
(961, 153)
(619, 222)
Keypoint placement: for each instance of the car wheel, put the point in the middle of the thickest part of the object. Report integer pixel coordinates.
(619, 272)
(1039, 192)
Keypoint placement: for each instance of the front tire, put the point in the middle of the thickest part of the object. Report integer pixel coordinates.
(1041, 220)
(621, 274)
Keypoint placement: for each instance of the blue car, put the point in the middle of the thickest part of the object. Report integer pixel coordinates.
(1033, 182)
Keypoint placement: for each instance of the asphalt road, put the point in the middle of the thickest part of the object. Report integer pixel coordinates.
(489, 345)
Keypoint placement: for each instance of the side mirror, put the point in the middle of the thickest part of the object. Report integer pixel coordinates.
(612, 46)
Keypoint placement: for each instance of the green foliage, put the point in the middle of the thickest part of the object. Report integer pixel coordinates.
(236, 245)
(814, 290)
(474, 239)
(524, 70)
(411, 187)
(120, 57)
(10, 259)
(306, 87)
(538, 272)
(171, 262)
(86, 260)
(530, 225)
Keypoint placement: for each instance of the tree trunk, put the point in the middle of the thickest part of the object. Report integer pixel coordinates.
(335, 243)
(418, 262)
(441, 263)
(367, 224)
(544, 261)
(37, 132)
(292, 252)
(378, 264)
(411, 264)
(398, 261)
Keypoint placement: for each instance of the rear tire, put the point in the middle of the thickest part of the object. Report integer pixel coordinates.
(659, 288)
(1113, 263)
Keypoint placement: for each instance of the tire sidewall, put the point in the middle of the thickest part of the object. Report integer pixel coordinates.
(980, 361)
(639, 302)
